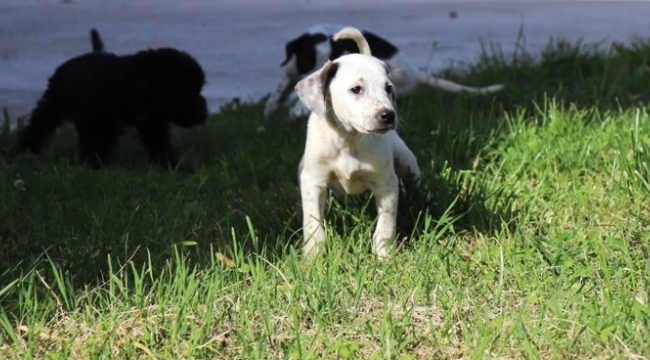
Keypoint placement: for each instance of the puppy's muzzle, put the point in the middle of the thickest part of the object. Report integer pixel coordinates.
(385, 120)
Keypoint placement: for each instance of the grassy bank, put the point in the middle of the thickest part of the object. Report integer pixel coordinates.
(536, 244)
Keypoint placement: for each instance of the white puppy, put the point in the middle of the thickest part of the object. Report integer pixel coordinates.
(351, 142)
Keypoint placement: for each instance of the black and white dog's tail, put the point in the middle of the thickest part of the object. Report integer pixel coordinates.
(450, 86)
(96, 41)
(355, 35)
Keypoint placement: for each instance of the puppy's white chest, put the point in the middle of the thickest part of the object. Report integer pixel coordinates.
(350, 175)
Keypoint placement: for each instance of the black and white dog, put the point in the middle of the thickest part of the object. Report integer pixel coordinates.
(309, 51)
(102, 93)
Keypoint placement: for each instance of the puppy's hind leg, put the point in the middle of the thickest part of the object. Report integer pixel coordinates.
(45, 118)
(95, 142)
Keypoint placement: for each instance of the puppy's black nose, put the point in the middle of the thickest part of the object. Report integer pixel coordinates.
(387, 117)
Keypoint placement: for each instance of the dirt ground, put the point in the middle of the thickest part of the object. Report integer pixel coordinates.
(241, 43)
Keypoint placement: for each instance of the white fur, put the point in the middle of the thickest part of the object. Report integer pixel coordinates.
(352, 146)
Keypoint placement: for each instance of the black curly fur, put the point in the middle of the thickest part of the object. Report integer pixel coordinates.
(101, 93)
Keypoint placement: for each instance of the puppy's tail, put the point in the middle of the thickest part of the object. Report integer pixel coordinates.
(355, 35)
(453, 87)
(96, 41)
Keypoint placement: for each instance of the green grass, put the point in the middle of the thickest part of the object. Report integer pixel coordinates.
(536, 244)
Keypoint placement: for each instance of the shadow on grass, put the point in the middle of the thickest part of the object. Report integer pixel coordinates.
(238, 186)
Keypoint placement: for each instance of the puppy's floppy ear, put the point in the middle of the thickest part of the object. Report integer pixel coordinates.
(313, 90)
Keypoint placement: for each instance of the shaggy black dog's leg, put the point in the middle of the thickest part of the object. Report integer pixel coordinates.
(156, 141)
(45, 118)
(96, 142)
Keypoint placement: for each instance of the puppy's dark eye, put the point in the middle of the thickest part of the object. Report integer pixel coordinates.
(389, 89)
(357, 90)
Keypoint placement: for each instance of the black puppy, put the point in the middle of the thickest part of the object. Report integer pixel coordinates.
(101, 93)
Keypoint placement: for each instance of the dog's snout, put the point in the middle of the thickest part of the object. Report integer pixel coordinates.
(387, 117)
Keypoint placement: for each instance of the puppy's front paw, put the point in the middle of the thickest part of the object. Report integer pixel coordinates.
(383, 250)
(311, 248)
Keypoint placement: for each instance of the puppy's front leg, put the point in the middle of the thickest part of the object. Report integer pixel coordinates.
(386, 197)
(157, 142)
(313, 204)
(406, 165)
(279, 97)
(96, 140)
